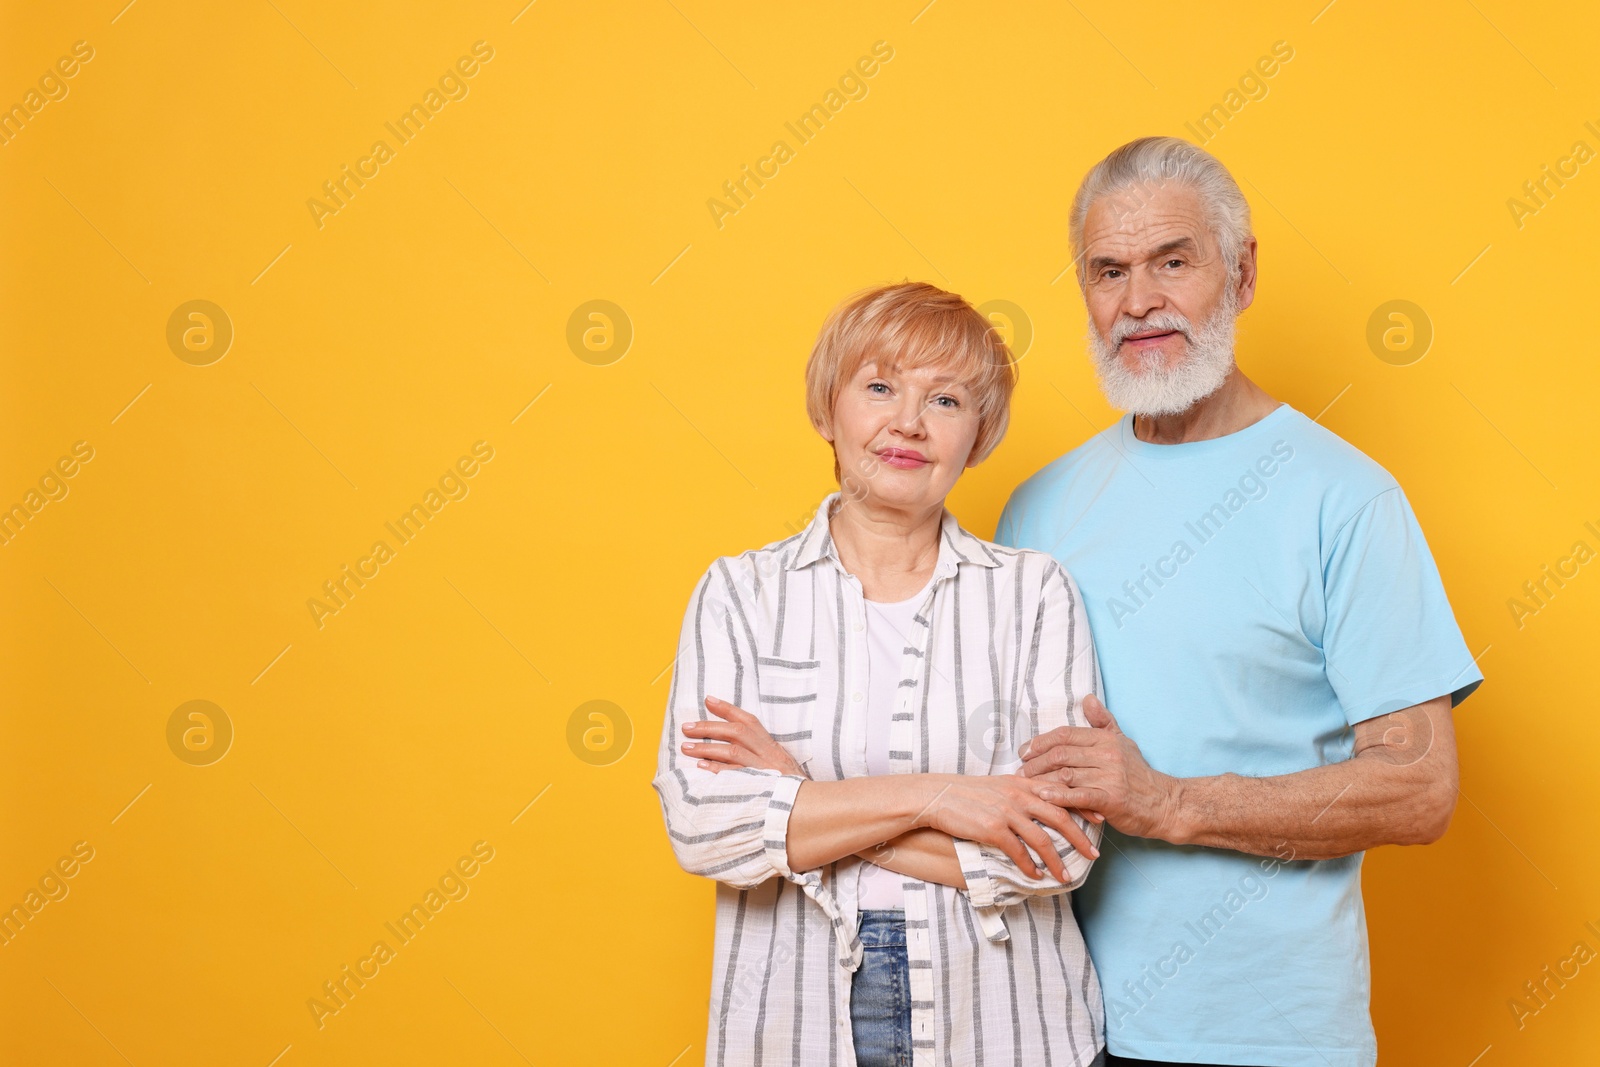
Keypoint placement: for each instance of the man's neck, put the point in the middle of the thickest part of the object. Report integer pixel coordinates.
(1237, 404)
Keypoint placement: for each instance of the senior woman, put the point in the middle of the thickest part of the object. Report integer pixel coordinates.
(839, 749)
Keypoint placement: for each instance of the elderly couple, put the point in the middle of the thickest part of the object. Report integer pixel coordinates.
(886, 739)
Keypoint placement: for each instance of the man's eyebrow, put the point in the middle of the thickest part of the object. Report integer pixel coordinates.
(1177, 244)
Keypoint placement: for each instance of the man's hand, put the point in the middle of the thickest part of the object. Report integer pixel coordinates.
(1003, 811)
(1099, 770)
(747, 743)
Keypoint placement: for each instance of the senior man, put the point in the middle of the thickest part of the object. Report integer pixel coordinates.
(1274, 640)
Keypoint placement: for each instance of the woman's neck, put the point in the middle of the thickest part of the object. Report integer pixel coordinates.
(891, 551)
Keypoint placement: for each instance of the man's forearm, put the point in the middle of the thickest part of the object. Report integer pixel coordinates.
(1322, 813)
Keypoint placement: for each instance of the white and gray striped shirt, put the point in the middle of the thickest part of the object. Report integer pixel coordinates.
(999, 650)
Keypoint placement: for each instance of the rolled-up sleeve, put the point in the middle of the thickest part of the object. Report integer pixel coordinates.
(1060, 670)
(731, 825)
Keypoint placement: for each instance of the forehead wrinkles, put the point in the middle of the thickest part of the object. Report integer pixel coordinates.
(1143, 229)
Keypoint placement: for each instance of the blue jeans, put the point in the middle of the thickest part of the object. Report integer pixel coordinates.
(880, 995)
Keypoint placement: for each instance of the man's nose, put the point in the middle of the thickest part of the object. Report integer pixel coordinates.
(1141, 296)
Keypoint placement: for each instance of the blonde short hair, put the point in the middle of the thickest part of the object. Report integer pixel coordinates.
(913, 324)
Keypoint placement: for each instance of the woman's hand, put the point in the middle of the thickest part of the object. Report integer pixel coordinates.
(1000, 810)
(997, 810)
(746, 742)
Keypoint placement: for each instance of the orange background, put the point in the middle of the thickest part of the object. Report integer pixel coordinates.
(435, 709)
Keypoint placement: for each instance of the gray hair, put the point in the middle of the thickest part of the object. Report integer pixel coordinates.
(1153, 160)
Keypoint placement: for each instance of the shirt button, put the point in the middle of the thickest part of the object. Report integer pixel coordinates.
(857, 627)
(857, 698)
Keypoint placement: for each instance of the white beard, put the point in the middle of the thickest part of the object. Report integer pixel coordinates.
(1155, 388)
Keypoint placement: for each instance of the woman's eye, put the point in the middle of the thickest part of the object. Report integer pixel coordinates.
(877, 385)
(947, 402)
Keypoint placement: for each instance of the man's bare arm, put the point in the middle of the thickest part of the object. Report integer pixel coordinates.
(1399, 787)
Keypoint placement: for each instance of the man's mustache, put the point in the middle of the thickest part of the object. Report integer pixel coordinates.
(1125, 329)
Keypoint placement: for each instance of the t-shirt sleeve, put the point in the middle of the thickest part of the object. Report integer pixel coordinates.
(1005, 531)
(1390, 639)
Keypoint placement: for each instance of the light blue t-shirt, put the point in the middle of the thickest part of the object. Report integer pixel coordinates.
(1251, 597)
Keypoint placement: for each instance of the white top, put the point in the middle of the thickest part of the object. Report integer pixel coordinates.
(1000, 640)
(888, 634)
